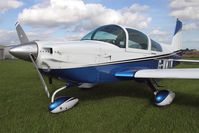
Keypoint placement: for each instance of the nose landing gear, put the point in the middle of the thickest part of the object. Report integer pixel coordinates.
(62, 103)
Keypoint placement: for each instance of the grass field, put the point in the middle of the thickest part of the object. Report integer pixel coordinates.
(125, 107)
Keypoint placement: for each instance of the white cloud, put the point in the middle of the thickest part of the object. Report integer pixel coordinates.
(160, 35)
(191, 26)
(183, 3)
(74, 16)
(185, 9)
(74, 36)
(158, 32)
(186, 13)
(9, 4)
(137, 8)
(77, 13)
(188, 10)
(7, 37)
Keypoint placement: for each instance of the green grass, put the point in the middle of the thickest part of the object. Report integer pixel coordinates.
(123, 107)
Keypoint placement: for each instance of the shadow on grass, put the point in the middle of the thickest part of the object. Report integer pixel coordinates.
(186, 99)
(102, 91)
(128, 89)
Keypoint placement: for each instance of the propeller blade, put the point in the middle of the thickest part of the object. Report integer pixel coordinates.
(40, 76)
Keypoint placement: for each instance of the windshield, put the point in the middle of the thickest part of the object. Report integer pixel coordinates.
(111, 33)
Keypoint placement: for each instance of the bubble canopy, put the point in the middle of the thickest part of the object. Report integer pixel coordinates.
(117, 35)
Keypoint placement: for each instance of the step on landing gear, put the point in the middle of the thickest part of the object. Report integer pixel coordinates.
(161, 97)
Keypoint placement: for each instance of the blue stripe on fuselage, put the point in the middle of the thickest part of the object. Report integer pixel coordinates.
(100, 74)
(106, 72)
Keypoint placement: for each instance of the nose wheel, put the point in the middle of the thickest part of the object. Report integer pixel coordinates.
(58, 104)
(62, 103)
(161, 97)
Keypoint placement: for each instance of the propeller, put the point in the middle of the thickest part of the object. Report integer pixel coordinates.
(27, 50)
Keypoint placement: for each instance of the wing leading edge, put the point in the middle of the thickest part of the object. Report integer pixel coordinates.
(192, 73)
(189, 73)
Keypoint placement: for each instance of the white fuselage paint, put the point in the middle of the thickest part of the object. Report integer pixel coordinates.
(75, 54)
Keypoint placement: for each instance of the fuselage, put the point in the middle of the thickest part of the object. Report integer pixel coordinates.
(101, 53)
(93, 61)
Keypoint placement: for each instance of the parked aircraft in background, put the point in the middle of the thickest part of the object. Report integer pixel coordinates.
(109, 53)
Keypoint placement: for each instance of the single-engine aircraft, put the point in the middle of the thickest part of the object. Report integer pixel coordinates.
(109, 53)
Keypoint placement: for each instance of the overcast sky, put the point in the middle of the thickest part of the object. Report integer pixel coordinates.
(71, 19)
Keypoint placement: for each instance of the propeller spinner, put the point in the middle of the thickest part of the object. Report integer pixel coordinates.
(23, 51)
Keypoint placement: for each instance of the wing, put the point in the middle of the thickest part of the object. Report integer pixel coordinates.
(185, 73)
(184, 60)
(160, 73)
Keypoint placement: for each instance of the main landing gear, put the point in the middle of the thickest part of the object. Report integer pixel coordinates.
(161, 97)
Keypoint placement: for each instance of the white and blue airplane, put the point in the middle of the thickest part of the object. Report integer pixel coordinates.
(109, 53)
